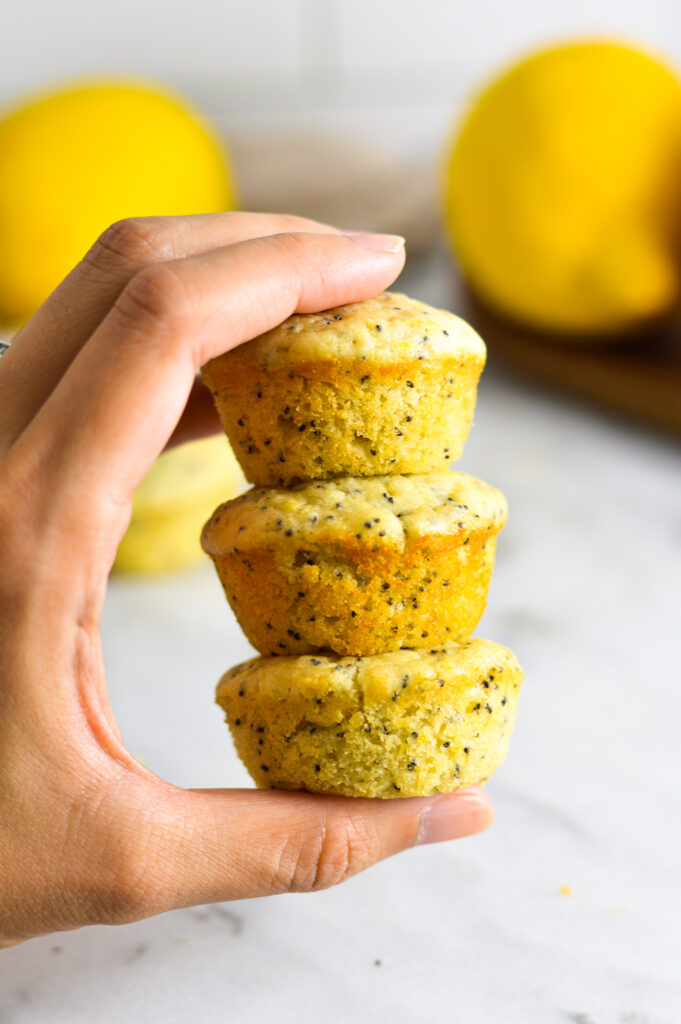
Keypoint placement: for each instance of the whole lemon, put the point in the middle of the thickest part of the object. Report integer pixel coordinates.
(563, 190)
(75, 160)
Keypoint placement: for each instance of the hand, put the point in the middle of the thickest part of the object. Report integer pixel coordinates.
(90, 392)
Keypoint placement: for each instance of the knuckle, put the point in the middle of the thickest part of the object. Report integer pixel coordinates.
(295, 259)
(337, 852)
(308, 264)
(291, 244)
(288, 249)
(158, 294)
(135, 241)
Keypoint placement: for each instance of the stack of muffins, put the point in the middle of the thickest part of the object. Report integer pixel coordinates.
(359, 564)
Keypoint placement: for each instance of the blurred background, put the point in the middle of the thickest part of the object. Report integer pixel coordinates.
(377, 81)
(350, 111)
(393, 69)
(546, 210)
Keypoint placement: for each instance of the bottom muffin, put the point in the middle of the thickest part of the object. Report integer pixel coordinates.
(170, 505)
(407, 723)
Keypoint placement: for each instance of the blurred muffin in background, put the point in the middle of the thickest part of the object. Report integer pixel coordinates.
(172, 503)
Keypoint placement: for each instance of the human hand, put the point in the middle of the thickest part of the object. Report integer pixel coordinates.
(90, 392)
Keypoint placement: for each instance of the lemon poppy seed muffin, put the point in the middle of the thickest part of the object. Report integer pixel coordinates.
(382, 386)
(408, 723)
(358, 565)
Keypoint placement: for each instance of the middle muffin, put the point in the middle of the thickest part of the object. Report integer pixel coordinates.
(358, 565)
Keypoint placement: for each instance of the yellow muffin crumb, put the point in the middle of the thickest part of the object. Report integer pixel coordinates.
(408, 723)
(387, 385)
(358, 565)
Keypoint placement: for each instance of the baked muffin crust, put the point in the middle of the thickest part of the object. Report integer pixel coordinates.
(358, 565)
(387, 385)
(408, 723)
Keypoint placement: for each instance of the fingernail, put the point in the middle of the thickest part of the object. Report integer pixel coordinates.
(385, 243)
(455, 815)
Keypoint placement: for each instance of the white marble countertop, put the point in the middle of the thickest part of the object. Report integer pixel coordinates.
(586, 591)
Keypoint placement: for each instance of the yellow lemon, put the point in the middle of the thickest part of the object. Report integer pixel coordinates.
(563, 189)
(172, 503)
(75, 160)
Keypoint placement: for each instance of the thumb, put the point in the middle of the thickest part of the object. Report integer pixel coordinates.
(211, 845)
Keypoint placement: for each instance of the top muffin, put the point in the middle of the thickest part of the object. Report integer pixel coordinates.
(383, 386)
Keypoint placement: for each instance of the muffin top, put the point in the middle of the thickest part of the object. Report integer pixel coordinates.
(381, 512)
(374, 678)
(387, 329)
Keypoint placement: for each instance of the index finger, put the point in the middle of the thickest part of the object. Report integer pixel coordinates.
(120, 400)
(42, 352)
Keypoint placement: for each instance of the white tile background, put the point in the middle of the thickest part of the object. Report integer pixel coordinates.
(281, 55)
(335, 109)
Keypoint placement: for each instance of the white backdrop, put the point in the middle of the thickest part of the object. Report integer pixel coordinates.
(236, 56)
(336, 109)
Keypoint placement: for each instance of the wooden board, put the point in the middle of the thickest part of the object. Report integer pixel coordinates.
(640, 379)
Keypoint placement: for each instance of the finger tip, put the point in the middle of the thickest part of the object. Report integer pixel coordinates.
(393, 244)
(455, 815)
